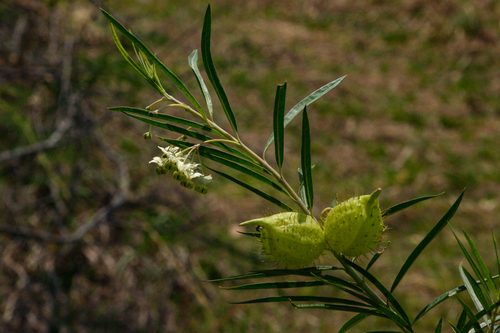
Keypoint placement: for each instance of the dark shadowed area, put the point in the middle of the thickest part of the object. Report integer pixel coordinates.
(93, 240)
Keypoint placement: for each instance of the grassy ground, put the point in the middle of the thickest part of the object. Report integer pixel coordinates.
(417, 114)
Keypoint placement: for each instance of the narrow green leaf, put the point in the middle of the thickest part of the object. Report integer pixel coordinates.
(278, 123)
(302, 190)
(438, 300)
(277, 285)
(496, 254)
(399, 207)
(247, 171)
(166, 117)
(212, 72)
(470, 259)
(141, 46)
(338, 282)
(472, 318)
(395, 318)
(127, 57)
(148, 114)
(305, 158)
(331, 300)
(439, 326)
(260, 193)
(336, 307)
(468, 326)
(307, 271)
(353, 322)
(385, 314)
(390, 297)
(193, 63)
(462, 319)
(427, 239)
(485, 272)
(453, 327)
(474, 291)
(373, 260)
(303, 103)
(174, 128)
(212, 153)
(443, 298)
(347, 287)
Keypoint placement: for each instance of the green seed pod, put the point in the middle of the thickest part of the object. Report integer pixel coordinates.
(354, 227)
(290, 239)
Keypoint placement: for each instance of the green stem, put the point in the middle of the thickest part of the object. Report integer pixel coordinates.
(154, 103)
(222, 140)
(293, 195)
(492, 320)
(184, 106)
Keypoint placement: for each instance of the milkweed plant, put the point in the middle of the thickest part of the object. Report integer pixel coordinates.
(294, 239)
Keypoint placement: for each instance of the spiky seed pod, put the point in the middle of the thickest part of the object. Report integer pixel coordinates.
(290, 239)
(354, 227)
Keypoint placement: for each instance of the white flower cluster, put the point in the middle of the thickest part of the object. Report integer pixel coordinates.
(188, 173)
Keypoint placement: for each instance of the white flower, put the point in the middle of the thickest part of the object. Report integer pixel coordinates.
(157, 160)
(171, 152)
(201, 182)
(185, 171)
(201, 178)
(187, 168)
(167, 160)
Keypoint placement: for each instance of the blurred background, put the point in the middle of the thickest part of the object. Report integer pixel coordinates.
(92, 240)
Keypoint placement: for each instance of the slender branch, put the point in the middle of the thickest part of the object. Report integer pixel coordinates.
(184, 106)
(154, 103)
(52, 142)
(221, 140)
(295, 197)
(120, 197)
(101, 215)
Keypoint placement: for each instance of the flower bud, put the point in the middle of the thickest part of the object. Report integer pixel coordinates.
(147, 135)
(290, 239)
(183, 177)
(354, 227)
